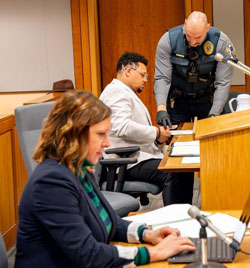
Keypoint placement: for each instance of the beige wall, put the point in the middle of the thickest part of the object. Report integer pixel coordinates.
(228, 16)
(36, 44)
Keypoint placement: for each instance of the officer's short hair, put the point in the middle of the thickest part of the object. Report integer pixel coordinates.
(130, 58)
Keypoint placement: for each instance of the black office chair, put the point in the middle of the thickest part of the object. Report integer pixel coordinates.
(232, 94)
(29, 120)
(3, 254)
(120, 184)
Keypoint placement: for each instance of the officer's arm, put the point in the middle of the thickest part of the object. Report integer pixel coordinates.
(163, 72)
(223, 78)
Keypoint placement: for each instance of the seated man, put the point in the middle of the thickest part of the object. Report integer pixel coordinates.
(131, 125)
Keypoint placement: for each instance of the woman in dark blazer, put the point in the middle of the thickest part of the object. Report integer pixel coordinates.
(64, 220)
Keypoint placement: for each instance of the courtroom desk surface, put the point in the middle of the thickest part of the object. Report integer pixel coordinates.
(241, 260)
(174, 164)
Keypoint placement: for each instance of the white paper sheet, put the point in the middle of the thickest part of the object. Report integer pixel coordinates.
(191, 160)
(165, 214)
(181, 132)
(191, 228)
(176, 216)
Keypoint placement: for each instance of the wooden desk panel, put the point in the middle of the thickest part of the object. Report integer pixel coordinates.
(224, 152)
(8, 215)
(174, 164)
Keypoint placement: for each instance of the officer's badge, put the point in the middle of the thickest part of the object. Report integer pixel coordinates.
(230, 50)
(208, 48)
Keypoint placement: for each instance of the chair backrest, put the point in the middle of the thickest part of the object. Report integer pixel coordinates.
(3, 254)
(29, 121)
(232, 94)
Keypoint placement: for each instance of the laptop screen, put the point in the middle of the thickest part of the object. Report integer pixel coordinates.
(239, 232)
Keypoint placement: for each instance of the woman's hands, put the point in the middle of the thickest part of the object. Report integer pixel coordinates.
(155, 236)
(167, 243)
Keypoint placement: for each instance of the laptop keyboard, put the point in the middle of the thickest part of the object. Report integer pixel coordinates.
(217, 251)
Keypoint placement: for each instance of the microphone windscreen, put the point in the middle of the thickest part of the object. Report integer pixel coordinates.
(193, 212)
(218, 57)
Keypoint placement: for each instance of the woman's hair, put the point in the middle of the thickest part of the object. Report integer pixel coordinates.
(64, 135)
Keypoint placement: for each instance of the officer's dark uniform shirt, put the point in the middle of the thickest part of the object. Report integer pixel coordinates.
(191, 72)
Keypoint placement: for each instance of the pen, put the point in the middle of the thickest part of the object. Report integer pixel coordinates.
(169, 222)
(176, 221)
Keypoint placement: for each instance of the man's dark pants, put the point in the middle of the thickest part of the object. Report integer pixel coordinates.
(176, 187)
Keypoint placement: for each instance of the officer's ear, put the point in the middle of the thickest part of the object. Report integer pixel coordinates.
(207, 27)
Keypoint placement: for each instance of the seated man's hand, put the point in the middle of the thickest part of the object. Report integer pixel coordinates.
(165, 134)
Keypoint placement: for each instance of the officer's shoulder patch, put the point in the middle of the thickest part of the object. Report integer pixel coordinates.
(208, 47)
(230, 50)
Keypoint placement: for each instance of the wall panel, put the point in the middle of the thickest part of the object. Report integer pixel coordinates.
(135, 25)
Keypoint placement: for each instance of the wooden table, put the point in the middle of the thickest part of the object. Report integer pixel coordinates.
(174, 164)
(46, 98)
(241, 261)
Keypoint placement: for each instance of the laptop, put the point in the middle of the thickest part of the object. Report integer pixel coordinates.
(217, 250)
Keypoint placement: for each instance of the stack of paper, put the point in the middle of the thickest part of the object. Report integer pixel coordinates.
(181, 132)
(187, 148)
(176, 216)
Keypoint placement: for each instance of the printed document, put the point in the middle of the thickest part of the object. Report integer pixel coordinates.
(187, 148)
(176, 216)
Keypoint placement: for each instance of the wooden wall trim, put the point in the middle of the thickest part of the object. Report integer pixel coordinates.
(94, 47)
(77, 43)
(205, 6)
(197, 5)
(208, 9)
(86, 45)
(188, 8)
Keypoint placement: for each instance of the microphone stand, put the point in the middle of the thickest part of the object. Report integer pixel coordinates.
(204, 263)
(240, 67)
(234, 62)
(243, 66)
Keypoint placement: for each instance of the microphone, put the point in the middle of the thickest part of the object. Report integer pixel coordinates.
(194, 212)
(232, 61)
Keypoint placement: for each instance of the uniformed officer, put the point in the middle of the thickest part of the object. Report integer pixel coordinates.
(187, 77)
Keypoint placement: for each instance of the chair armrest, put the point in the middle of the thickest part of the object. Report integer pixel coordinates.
(118, 161)
(123, 151)
(112, 164)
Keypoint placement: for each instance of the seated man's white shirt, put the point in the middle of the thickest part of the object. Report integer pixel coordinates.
(130, 121)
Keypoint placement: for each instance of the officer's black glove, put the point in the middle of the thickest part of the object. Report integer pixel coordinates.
(163, 119)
